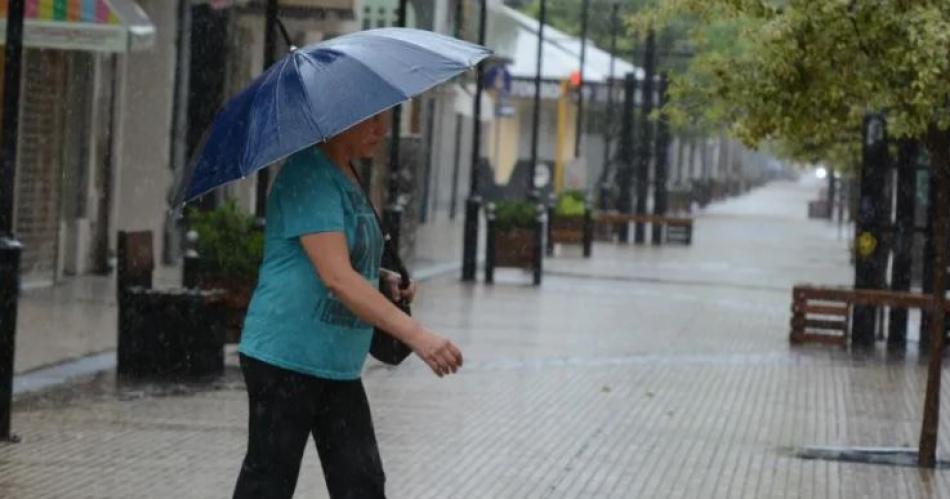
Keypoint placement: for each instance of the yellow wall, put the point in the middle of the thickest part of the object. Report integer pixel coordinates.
(503, 140)
(504, 136)
(566, 134)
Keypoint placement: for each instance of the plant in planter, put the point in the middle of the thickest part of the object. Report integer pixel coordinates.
(568, 218)
(514, 237)
(230, 248)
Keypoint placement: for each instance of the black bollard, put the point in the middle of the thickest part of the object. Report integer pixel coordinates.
(540, 223)
(588, 230)
(549, 247)
(470, 237)
(490, 244)
(10, 250)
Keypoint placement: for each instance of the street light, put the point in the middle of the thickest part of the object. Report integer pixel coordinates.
(533, 193)
(578, 128)
(270, 56)
(9, 248)
(392, 214)
(474, 202)
(608, 127)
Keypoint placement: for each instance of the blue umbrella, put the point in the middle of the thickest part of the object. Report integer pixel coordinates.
(317, 92)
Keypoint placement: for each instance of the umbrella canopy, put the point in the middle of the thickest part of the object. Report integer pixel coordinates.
(317, 92)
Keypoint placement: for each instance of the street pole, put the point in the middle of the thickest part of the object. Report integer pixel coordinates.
(392, 214)
(473, 204)
(832, 193)
(270, 56)
(608, 127)
(533, 193)
(10, 248)
(457, 155)
(625, 173)
(904, 238)
(579, 127)
(873, 213)
(646, 135)
(662, 162)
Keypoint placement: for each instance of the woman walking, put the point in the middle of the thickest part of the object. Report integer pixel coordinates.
(310, 322)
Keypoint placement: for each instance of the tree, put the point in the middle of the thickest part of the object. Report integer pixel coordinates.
(809, 70)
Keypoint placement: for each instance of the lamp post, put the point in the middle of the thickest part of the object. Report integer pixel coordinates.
(608, 128)
(873, 210)
(453, 198)
(625, 173)
(10, 248)
(474, 202)
(533, 193)
(646, 135)
(270, 56)
(661, 164)
(578, 128)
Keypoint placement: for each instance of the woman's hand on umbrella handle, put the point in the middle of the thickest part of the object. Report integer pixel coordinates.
(441, 355)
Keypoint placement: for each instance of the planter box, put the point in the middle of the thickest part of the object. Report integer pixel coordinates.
(515, 248)
(567, 230)
(170, 334)
(234, 303)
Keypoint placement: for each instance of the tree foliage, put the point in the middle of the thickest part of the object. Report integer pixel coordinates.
(807, 71)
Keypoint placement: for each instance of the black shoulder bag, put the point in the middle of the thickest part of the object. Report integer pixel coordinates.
(385, 347)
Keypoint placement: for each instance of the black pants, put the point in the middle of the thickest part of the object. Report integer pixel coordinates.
(285, 409)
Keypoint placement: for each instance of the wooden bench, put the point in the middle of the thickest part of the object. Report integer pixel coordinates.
(678, 229)
(822, 314)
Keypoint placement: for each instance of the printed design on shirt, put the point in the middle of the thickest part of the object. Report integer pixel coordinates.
(365, 254)
(367, 248)
(334, 312)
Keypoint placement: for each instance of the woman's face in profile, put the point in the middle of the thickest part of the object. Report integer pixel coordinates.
(363, 139)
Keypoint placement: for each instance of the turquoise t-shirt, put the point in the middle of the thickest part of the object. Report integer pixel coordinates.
(294, 321)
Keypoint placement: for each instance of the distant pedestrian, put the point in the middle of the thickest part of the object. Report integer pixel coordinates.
(310, 321)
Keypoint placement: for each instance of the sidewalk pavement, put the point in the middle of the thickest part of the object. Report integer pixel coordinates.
(642, 372)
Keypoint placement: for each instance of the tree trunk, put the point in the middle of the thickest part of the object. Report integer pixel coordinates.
(937, 145)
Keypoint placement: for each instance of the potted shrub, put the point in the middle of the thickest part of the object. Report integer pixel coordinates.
(568, 218)
(514, 238)
(514, 234)
(229, 249)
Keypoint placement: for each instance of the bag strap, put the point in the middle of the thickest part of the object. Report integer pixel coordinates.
(390, 253)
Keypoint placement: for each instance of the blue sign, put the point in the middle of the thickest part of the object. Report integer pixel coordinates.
(498, 78)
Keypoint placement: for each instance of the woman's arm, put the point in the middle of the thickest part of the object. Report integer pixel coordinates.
(330, 257)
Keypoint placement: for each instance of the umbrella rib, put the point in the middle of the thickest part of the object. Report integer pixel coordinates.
(306, 94)
(244, 167)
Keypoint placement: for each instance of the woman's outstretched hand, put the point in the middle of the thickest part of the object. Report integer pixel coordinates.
(442, 356)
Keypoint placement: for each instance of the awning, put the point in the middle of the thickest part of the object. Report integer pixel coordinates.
(94, 25)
